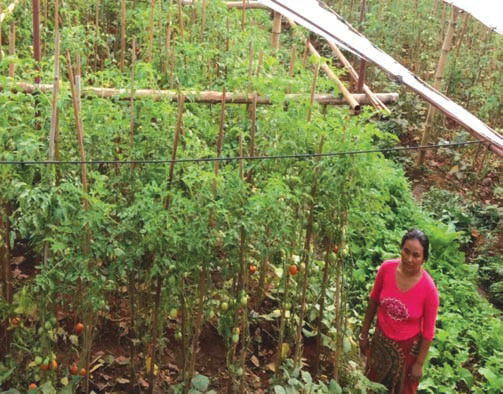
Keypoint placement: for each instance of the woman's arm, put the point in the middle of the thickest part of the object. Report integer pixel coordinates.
(417, 367)
(367, 321)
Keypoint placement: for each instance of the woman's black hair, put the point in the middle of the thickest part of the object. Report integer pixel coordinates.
(415, 233)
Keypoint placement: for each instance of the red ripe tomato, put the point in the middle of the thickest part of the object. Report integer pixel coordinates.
(293, 269)
(252, 269)
(74, 370)
(78, 328)
(335, 249)
(54, 364)
(32, 386)
(83, 372)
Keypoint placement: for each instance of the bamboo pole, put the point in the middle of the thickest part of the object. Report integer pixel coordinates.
(78, 86)
(305, 257)
(209, 97)
(123, 34)
(36, 37)
(12, 49)
(361, 73)
(1, 21)
(203, 20)
(178, 131)
(291, 68)
(97, 34)
(180, 18)
(150, 32)
(313, 90)
(132, 95)
(235, 4)
(439, 74)
(55, 88)
(260, 61)
(345, 92)
(5, 253)
(276, 31)
(243, 14)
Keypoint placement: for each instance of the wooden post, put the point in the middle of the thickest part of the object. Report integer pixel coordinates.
(150, 32)
(439, 74)
(123, 34)
(36, 37)
(276, 31)
(12, 48)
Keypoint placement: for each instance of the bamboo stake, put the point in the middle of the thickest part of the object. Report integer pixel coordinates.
(55, 89)
(123, 34)
(155, 323)
(36, 37)
(180, 18)
(260, 60)
(338, 319)
(97, 34)
(150, 32)
(276, 31)
(361, 74)
(12, 48)
(243, 15)
(279, 350)
(203, 274)
(345, 92)
(5, 254)
(313, 90)
(292, 66)
(324, 282)
(307, 249)
(178, 131)
(78, 86)
(203, 20)
(439, 74)
(306, 54)
(1, 21)
(131, 104)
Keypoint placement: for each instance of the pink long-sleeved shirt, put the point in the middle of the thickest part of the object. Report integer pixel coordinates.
(403, 314)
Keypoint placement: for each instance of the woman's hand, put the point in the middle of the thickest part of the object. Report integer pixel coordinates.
(416, 371)
(364, 344)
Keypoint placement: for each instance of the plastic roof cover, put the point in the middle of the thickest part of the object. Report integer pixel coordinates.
(311, 15)
(489, 12)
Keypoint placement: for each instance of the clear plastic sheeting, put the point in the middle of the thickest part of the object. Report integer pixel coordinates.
(311, 15)
(489, 12)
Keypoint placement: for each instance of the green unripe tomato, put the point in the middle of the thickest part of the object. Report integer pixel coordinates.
(235, 338)
(239, 371)
(211, 314)
(38, 360)
(48, 325)
(224, 306)
(316, 227)
(173, 313)
(178, 335)
(235, 331)
(333, 256)
(244, 301)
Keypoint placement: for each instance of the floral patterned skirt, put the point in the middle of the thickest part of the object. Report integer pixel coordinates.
(389, 362)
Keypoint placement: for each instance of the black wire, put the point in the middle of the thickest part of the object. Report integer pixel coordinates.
(210, 159)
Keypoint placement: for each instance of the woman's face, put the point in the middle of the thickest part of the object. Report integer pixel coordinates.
(412, 256)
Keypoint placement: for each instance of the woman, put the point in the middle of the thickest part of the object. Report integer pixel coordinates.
(406, 301)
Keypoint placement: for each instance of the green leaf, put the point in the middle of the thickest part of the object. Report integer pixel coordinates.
(334, 387)
(279, 390)
(200, 382)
